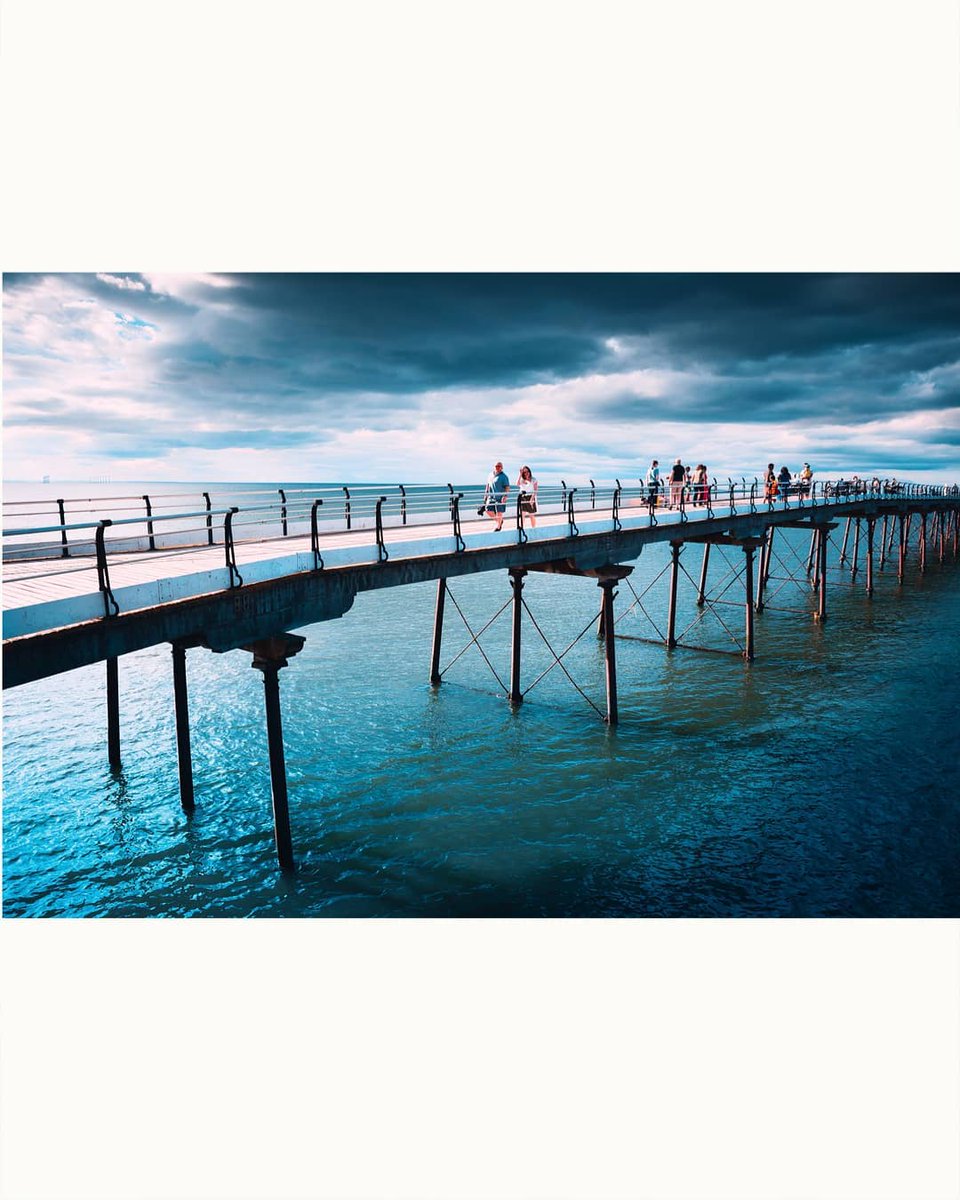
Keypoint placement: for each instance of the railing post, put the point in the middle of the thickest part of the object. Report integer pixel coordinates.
(403, 504)
(229, 550)
(315, 535)
(382, 554)
(150, 538)
(593, 494)
(435, 677)
(283, 511)
(206, 496)
(103, 573)
(570, 521)
(516, 582)
(461, 545)
(346, 506)
(65, 545)
(184, 761)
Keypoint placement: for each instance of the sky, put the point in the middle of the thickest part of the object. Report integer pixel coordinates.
(429, 378)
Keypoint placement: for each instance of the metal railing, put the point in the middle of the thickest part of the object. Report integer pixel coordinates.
(366, 512)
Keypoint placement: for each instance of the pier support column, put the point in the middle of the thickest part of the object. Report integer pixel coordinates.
(854, 562)
(811, 557)
(923, 543)
(748, 550)
(763, 571)
(269, 656)
(843, 548)
(940, 537)
(672, 614)
(437, 633)
(956, 530)
(516, 582)
(902, 550)
(822, 542)
(610, 659)
(870, 525)
(184, 761)
(702, 589)
(883, 543)
(113, 714)
(768, 554)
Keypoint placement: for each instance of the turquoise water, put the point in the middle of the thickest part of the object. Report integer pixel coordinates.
(820, 780)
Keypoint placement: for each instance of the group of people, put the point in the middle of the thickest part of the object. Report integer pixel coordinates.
(494, 497)
(784, 483)
(684, 481)
(687, 485)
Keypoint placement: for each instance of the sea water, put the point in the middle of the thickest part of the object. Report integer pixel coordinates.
(820, 780)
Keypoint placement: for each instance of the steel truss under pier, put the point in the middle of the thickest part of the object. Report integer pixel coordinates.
(760, 571)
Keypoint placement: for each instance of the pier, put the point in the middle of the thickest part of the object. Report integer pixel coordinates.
(93, 581)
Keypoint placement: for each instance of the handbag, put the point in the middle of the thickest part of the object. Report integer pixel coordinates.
(481, 510)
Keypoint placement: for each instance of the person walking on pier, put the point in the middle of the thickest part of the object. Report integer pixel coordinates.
(527, 486)
(784, 479)
(700, 485)
(493, 498)
(653, 483)
(677, 480)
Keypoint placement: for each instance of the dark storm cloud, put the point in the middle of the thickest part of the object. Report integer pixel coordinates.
(775, 343)
(307, 353)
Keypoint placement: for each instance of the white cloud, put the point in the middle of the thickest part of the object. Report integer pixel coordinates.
(121, 281)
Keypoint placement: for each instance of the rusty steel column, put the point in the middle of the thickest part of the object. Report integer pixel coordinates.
(516, 582)
(870, 524)
(856, 552)
(113, 714)
(821, 613)
(184, 761)
(762, 571)
(270, 655)
(672, 613)
(902, 553)
(923, 543)
(748, 591)
(883, 543)
(940, 537)
(843, 548)
(768, 554)
(610, 659)
(956, 530)
(811, 557)
(600, 620)
(702, 590)
(893, 534)
(435, 677)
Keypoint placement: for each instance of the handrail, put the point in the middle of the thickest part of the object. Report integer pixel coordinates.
(259, 522)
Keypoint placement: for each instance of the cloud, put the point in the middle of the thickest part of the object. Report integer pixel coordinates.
(353, 375)
(121, 281)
